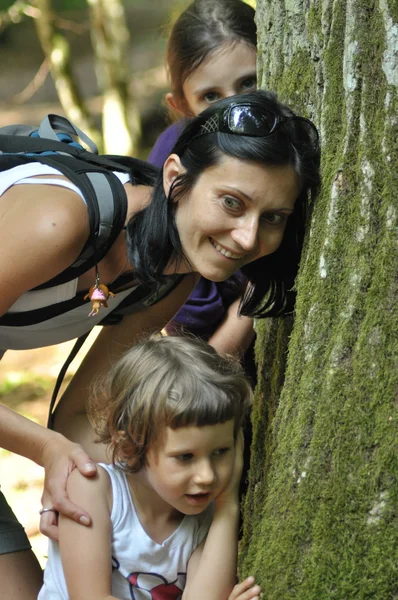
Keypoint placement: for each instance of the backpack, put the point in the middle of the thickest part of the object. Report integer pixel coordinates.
(53, 144)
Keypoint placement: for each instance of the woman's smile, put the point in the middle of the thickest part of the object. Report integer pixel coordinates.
(225, 251)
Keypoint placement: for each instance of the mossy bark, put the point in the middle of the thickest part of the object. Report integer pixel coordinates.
(321, 516)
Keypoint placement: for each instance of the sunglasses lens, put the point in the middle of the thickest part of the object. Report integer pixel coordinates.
(250, 120)
(303, 134)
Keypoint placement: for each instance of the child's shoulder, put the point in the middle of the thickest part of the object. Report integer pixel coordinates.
(92, 487)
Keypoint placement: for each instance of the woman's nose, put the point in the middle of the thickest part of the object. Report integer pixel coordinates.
(246, 235)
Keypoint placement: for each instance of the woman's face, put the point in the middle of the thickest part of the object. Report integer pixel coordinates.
(231, 71)
(235, 213)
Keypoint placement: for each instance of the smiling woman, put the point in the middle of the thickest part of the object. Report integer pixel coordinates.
(238, 181)
(236, 213)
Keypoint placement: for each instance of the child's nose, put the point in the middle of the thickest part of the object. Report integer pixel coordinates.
(205, 474)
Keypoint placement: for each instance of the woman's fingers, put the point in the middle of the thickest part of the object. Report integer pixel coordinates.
(49, 525)
(56, 490)
(83, 462)
(59, 459)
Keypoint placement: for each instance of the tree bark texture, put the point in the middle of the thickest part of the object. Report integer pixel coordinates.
(120, 115)
(320, 517)
(56, 48)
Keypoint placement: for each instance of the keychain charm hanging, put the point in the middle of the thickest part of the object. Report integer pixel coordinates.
(98, 294)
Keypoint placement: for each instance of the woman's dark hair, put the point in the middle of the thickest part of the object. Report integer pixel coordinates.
(201, 30)
(269, 279)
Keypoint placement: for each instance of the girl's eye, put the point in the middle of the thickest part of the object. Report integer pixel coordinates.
(250, 83)
(273, 218)
(184, 457)
(231, 203)
(221, 451)
(211, 97)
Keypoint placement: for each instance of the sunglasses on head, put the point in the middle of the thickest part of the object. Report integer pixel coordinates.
(255, 121)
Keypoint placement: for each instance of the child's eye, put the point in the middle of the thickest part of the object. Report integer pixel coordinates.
(184, 457)
(221, 451)
(250, 83)
(231, 203)
(211, 97)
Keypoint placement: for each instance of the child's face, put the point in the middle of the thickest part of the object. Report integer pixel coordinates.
(192, 466)
(231, 71)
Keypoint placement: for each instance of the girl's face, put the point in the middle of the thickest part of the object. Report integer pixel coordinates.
(231, 71)
(235, 213)
(192, 466)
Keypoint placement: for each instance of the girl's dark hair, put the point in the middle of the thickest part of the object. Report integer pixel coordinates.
(269, 279)
(202, 29)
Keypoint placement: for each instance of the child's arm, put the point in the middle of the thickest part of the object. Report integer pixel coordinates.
(235, 334)
(211, 572)
(86, 559)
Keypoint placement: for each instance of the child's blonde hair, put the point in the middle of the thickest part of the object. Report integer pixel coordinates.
(165, 382)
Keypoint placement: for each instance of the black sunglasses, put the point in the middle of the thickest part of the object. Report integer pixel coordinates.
(255, 121)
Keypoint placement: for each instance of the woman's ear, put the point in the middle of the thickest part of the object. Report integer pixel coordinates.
(177, 104)
(172, 169)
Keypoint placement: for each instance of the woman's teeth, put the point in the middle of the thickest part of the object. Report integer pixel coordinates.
(227, 253)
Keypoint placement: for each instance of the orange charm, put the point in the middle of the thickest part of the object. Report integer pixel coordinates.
(98, 295)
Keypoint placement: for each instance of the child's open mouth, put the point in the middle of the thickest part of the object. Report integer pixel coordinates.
(198, 499)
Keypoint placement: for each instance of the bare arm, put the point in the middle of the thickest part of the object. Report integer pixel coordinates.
(212, 568)
(39, 237)
(235, 333)
(70, 417)
(86, 551)
(42, 231)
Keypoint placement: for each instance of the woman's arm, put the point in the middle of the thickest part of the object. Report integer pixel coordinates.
(235, 333)
(86, 552)
(70, 417)
(42, 231)
(212, 568)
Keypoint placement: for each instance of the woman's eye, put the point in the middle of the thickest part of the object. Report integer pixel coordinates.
(211, 97)
(248, 84)
(274, 218)
(231, 203)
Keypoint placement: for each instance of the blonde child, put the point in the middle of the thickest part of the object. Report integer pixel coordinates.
(165, 512)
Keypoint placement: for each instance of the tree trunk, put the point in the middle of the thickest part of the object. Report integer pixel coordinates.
(321, 518)
(56, 48)
(120, 116)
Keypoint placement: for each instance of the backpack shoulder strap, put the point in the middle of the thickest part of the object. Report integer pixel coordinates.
(53, 144)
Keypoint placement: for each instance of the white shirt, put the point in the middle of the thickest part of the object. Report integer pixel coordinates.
(142, 568)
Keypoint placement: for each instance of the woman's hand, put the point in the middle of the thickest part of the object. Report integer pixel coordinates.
(246, 590)
(59, 457)
(230, 495)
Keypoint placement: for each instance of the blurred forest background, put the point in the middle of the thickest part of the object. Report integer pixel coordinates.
(101, 63)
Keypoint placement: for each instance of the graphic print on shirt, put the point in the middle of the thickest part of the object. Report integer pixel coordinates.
(150, 586)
